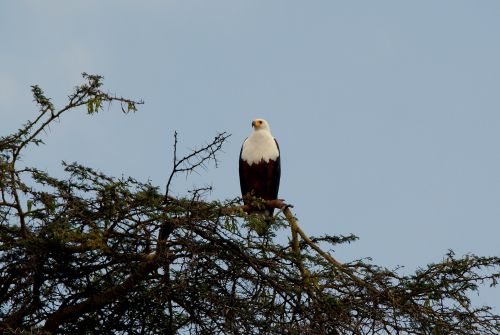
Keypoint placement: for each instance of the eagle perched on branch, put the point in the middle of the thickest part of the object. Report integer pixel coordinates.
(260, 166)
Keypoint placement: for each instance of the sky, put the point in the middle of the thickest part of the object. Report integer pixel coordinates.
(387, 112)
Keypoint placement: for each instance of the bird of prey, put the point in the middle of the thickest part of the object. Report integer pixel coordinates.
(260, 166)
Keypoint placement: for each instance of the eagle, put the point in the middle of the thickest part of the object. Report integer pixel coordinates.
(260, 167)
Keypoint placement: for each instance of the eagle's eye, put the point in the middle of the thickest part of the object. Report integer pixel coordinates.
(259, 122)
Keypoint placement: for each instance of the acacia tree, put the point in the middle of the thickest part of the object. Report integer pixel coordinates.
(92, 253)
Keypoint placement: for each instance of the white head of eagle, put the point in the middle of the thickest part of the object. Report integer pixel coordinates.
(260, 166)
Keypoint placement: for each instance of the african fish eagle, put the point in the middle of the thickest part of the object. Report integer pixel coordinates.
(260, 166)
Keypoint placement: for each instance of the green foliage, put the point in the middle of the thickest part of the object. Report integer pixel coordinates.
(91, 253)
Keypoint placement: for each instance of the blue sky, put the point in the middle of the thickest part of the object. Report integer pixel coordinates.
(387, 112)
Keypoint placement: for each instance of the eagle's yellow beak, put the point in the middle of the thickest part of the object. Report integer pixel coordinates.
(256, 123)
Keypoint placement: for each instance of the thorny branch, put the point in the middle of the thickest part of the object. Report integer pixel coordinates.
(197, 158)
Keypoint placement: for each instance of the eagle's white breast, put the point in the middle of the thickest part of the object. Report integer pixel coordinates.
(260, 145)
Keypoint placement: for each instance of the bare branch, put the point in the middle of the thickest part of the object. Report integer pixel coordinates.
(197, 158)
